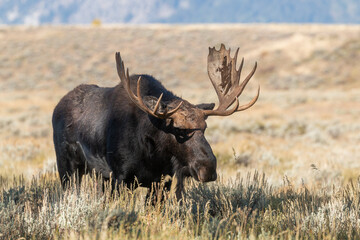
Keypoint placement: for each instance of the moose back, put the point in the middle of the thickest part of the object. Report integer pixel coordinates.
(140, 129)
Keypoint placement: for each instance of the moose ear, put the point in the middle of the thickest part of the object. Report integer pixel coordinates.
(150, 102)
(206, 106)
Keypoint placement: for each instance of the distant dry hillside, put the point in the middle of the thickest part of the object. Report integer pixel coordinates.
(309, 56)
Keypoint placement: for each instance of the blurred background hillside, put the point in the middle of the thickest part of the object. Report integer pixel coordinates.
(305, 124)
(35, 12)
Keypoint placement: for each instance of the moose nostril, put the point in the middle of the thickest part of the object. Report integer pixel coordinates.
(214, 176)
(202, 175)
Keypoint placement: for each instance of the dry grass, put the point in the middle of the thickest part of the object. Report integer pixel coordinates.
(246, 207)
(304, 128)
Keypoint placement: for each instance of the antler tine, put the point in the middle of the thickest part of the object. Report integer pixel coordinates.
(119, 66)
(169, 113)
(234, 73)
(252, 102)
(239, 71)
(157, 104)
(137, 100)
(128, 89)
(138, 93)
(247, 79)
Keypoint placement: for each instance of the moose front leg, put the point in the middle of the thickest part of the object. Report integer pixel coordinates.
(181, 174)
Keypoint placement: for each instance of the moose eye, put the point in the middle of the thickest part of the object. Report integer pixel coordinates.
(182, 135)
(183, 132)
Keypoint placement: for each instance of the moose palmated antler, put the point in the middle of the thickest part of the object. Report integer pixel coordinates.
(137, 100)
(225, 78)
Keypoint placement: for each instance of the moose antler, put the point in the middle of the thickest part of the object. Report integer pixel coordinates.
(138, 99)
(225, 79)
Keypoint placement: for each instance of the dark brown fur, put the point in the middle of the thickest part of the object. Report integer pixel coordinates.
(101, 129)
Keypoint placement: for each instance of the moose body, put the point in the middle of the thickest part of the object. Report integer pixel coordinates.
(146, 136)
(101, 129)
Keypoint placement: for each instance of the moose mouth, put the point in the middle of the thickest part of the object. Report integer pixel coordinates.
(203, 175)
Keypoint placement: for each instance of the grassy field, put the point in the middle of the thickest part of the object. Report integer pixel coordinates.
(289, 166)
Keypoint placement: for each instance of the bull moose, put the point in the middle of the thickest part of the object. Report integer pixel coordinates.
(122, 135)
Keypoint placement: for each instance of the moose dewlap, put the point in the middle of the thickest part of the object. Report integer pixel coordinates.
(139, 129)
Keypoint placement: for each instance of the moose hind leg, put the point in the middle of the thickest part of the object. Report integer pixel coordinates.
(71, 164)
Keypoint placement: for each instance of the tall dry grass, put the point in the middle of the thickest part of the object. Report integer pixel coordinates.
(247, 207)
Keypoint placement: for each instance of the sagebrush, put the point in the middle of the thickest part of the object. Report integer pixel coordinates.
(244, 208)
